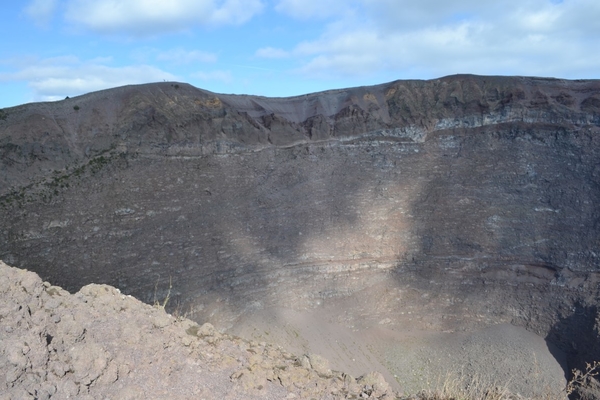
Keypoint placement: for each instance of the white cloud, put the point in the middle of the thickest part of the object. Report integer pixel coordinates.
(305, 9)
(271, 52)
(405, 14)
(235, 12)
(151, 17)
(431, 38)
(181, 56)
(41, 11)
(56, 78)
(216, 75)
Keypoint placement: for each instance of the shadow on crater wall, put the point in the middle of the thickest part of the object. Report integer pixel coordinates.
(464, 227)
(576, 335)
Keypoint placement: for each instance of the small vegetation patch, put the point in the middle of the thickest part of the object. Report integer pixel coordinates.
(455, 388)
(96, 164)
(163, 304)
(582, 379)
(192, 330)
(49, 188)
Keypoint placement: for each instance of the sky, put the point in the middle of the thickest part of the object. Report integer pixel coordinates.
(57, 48)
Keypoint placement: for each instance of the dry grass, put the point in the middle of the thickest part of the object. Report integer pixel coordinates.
(582, 379)
(163, 304)
(460, 388)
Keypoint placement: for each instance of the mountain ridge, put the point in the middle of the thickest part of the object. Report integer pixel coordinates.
(218, 123)
(446, 205)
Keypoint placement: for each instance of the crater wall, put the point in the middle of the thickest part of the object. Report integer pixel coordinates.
(445, 205)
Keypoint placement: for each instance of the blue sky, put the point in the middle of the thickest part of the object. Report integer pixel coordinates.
(57, 48)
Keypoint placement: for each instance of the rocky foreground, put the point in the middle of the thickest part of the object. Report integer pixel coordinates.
(101, 344)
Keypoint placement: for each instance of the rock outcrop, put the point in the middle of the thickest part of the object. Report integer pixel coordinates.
(448, 205)
(99, 343)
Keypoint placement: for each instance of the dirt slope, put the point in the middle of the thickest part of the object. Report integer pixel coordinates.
(101, 344)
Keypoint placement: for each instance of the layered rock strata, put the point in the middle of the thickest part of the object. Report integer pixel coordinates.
(448, 205)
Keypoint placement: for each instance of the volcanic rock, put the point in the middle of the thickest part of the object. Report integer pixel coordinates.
(450, 205)
(100, 343)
